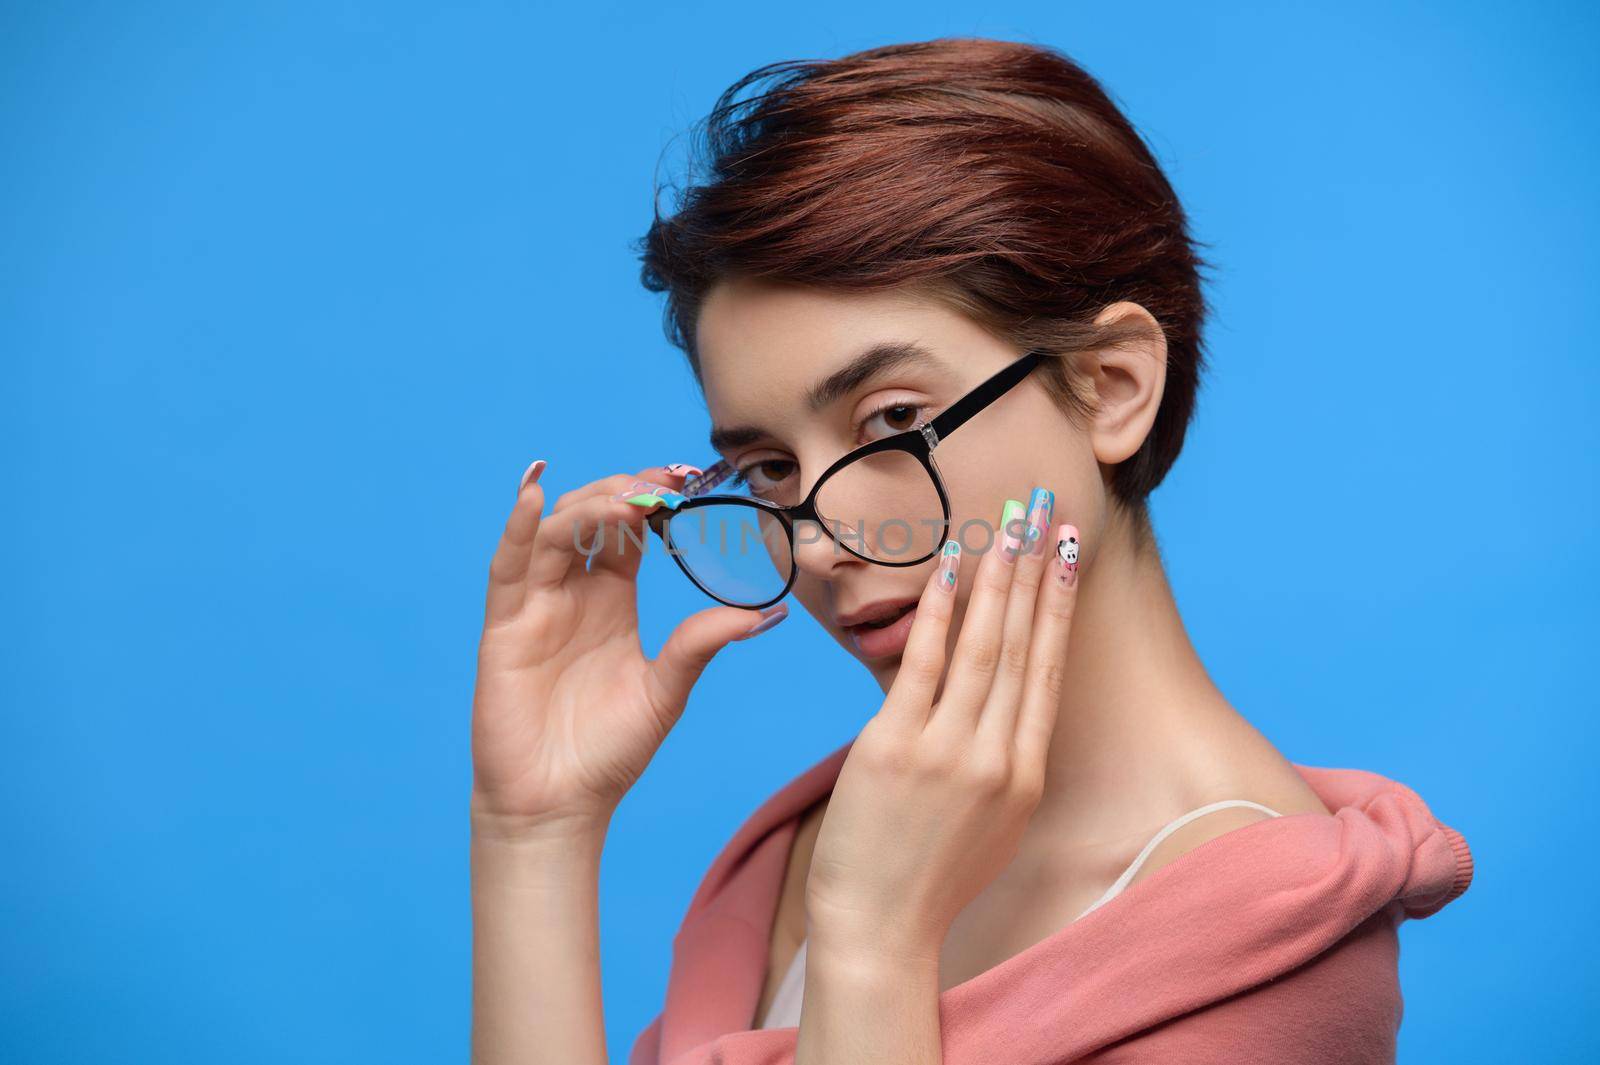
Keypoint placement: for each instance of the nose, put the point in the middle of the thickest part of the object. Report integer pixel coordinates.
(816, 554)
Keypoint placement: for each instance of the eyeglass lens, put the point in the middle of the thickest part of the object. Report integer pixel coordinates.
(885, 507)
(738, 553)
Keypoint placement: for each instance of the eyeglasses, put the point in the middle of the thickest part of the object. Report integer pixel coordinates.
(885, 502)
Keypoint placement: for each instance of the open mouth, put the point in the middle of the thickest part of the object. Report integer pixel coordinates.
(888, 619)
(883, 636)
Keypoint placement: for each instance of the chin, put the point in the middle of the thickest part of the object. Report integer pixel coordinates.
(884, 673)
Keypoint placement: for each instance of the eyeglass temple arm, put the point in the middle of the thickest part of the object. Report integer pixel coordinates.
(949, 420)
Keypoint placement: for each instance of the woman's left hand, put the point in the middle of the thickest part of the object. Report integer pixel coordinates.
(932, 800)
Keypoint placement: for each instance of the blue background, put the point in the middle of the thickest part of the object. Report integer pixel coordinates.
(292, 293)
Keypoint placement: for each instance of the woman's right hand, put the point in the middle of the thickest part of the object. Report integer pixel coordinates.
(567, 710)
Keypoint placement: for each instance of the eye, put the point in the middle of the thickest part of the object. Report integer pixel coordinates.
(765, 477)
(890, 419)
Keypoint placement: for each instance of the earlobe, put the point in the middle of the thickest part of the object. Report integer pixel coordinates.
(1128, 378)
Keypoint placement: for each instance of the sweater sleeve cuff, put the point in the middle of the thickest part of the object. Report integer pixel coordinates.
(1463, 856)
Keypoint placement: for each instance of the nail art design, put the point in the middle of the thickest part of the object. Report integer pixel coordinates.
(683, 469)
(769, 619)
(646, 494)
(1040, 504)
(949, 563)
(1011, 528)
(1067, 554)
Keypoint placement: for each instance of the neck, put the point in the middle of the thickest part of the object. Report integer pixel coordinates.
(1143, 733)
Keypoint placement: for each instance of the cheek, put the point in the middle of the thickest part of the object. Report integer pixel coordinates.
(978, 486)
(978, 498)
(981, 477)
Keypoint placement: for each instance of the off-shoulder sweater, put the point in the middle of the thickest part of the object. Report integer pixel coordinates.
(1276, 942)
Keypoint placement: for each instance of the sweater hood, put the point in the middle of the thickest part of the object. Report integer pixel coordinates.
(1236, 911)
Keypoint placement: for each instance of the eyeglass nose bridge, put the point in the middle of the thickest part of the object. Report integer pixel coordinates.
(806, 526)
(810, 535)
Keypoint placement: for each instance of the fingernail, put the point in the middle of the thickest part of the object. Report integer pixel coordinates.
(949, 564)
(647, 494)
(1011, 529)
(531, 474)
(769, 618)
(1040, 504)
(683, 469)
(1067, 554)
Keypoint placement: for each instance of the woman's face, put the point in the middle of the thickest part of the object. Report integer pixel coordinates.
(764, 351)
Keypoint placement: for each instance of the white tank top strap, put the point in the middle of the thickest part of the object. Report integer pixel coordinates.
(1170, 827)
(784, 1012)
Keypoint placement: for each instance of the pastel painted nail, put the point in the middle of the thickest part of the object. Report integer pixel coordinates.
(949, 564)
(769, 619)
(647, 494)
(1040, 504)
(1067, 554)
(1011, 529)
(683, 469)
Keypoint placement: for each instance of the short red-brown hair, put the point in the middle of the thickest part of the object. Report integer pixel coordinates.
(997, 176)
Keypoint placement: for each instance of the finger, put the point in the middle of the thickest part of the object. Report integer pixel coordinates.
(999, 713)
(616, 482)
(977, 650)
(568, 539)
(916, 683)
(509, 565)
(624, 552)
(694, 643)
(1047, 667)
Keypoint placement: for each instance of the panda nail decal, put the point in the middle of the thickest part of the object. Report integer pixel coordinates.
(1067, 554)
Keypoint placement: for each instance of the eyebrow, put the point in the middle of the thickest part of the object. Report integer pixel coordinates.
(878, 359)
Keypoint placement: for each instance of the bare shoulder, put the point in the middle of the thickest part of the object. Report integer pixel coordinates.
(1283, 799)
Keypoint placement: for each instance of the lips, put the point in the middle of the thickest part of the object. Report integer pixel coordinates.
(882, 611)
(887, 620)
(880, 630)
(885, 642)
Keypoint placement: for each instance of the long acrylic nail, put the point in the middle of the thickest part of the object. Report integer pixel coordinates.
(648, 494)
(949, 565)
(683, 469)
(1011, 529)
(769, 618)
(1040, 504)
(1067, 554)
(531, 474)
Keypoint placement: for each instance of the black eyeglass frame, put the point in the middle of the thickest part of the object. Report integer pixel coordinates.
(919, 442)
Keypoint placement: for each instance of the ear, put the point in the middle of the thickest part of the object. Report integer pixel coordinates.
(1128, 380)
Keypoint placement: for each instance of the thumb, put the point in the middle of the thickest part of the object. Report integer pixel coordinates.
(696, 641)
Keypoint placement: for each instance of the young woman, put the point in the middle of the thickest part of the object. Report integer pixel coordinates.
(947, 318)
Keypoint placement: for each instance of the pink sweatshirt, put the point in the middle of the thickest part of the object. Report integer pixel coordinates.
(1272, 943)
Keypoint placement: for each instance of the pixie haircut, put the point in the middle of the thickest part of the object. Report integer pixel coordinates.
(996, 177)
